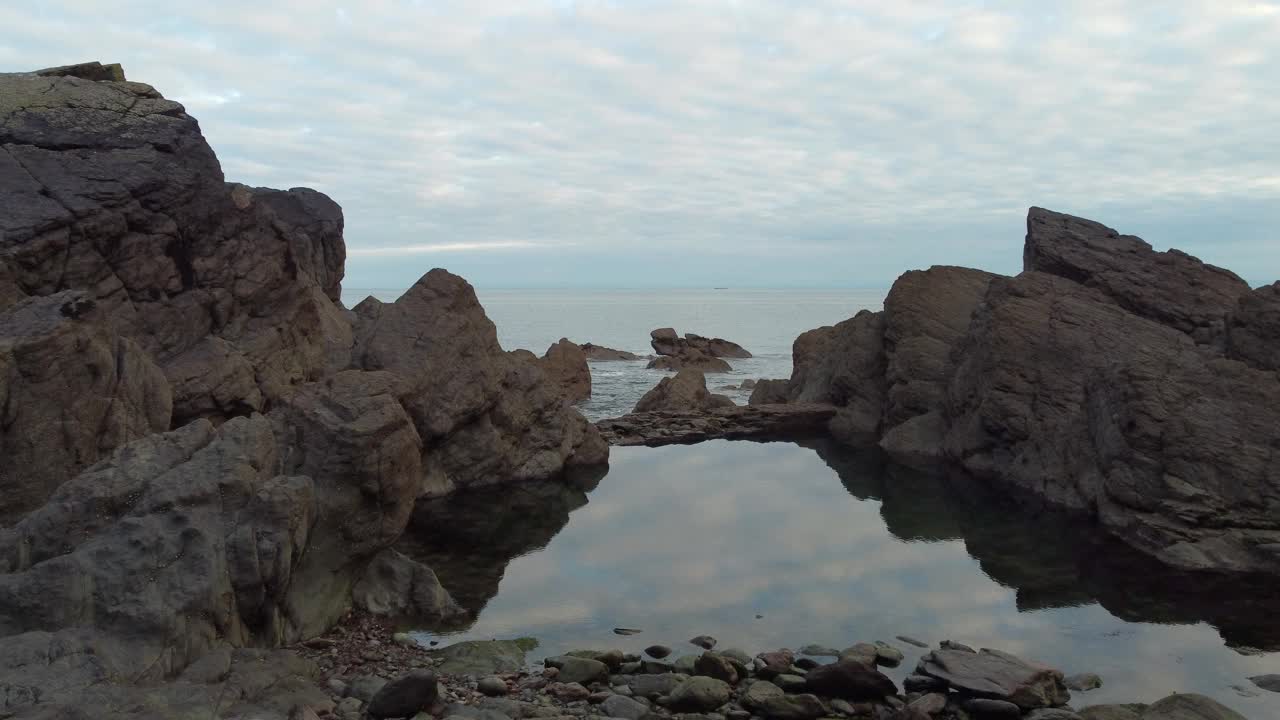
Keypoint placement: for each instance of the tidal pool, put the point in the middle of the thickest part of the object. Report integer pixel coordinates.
(767, 545)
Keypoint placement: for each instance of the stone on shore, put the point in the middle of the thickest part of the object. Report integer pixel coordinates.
(990, 709)
(405, 696)
(706, 642)
(493, 686)
(850, 680)
(1267, 682)
(717, 666)
(700, 694)
(793, 707)
(658, 651)
(997, 675)
(577, 669)
(1083, 682)
(620, 706)
(483, 657)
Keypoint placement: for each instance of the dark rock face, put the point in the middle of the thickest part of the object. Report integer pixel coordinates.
(232, 448)
(600, 353)
(759, 422)
(1137, 386)
(687, 391)
(769, 392)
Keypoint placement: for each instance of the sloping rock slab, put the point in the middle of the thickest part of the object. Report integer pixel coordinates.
(999, 675)
(753, 422)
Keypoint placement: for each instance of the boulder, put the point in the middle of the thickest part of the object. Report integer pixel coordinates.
(578, 669)
(1267, 682)
(687, 391)
(770, 664)
(396, 586)
(792, 707)
(843, 365)
(1083, 682)
(483, 657)
(565, 364)
(600, 353)
(850, 680)
(1189, 706)
(700, 694)
(1253, 328)
(620, 706)
(997, 675)
(717, 666)
(405, 696)
(766, 392)
(692, 360)
(692, 351)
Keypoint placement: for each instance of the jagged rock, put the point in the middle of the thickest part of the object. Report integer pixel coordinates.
(843, 365)
(764, 422)
(665, 341)
(70, 392)
(95, 71)
(685, 392)
(850, 680)
(768, 392)
(213, 380)
(998, 676)
(1171, 288)
(565, 364)
(396, 586)
(691, 360)
(485, 416)
(600, 353)
(1253, 328)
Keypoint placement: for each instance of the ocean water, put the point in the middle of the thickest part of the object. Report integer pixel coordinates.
(777, 545)
(765, 322)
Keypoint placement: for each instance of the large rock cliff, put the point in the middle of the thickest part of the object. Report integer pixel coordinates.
(200, 449)
(1136, 386)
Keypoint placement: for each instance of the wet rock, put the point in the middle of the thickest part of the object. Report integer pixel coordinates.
(1083, 682)
(1188, 706)
(651, 686)
(404, 696)
(790, 683)
(805, 663)
(483, 657)
(999, 675)
(665, 341)
(793, 707)
(685, 664)
(618, 706)
(819, 651)
(577, 669)
(766, 422)
(850, 680)
(657, 651)
(912, 641)
(706, 642)
(987, 709)
(492, 686)
(953, 645)
(656, 667)
(737, 654)
(686, 391)
(568, 692)
(865, 653)
(394, 585)
(759, 692)
(717, 666)
(1267, 682)
(771, 664)
(691, 361)
(613, 658)
(923, 684)
(887, 654)
(627, 631)
(700, 694)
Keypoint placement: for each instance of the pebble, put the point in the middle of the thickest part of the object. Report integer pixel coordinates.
(706, 642)
(492, 686)
(657, 651)
(1083, 682)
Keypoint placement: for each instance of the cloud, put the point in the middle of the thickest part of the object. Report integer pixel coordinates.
(884, 134)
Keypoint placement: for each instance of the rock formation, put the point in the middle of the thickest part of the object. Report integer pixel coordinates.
(692, 351)
(595, 353)
(565, 364)
(686, 391)
(201, 449)
(1134, 385)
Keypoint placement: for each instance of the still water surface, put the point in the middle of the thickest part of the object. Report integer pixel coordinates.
(831, 546)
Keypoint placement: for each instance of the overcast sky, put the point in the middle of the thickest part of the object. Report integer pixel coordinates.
(717, 142)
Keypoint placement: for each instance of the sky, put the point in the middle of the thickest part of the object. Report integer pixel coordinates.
(744, 143)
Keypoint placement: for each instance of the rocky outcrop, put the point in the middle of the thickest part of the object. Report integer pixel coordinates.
(768, 392)
(71, 390)
(1137, 386)
(686, 392)
(997, 675)
(792, 421)
(565, 364)
(200, 449)
(600, 353)
(692, 352)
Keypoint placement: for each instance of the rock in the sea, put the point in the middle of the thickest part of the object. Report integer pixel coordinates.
(666, 341)
(997, 675)
(819, 651)
(1188, 706)
(706, 642)
(1083, 682)
(865, 653)
(692, 360)
(686, 391)
(405, 696)
(760, 692)
(685, 664)
(887, 654)
(700, 694)
(851, 680)
(1267, 682)
(769, 664)
(769, 392)
(912, 641)
(600, 353)
(658, 651)
(565, 365)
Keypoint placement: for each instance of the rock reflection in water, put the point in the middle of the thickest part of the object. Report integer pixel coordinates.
(691, 539)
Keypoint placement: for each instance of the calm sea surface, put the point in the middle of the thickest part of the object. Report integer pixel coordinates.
(779, 545)
(765, 322)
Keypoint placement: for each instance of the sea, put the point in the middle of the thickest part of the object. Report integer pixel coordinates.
(764, 321)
